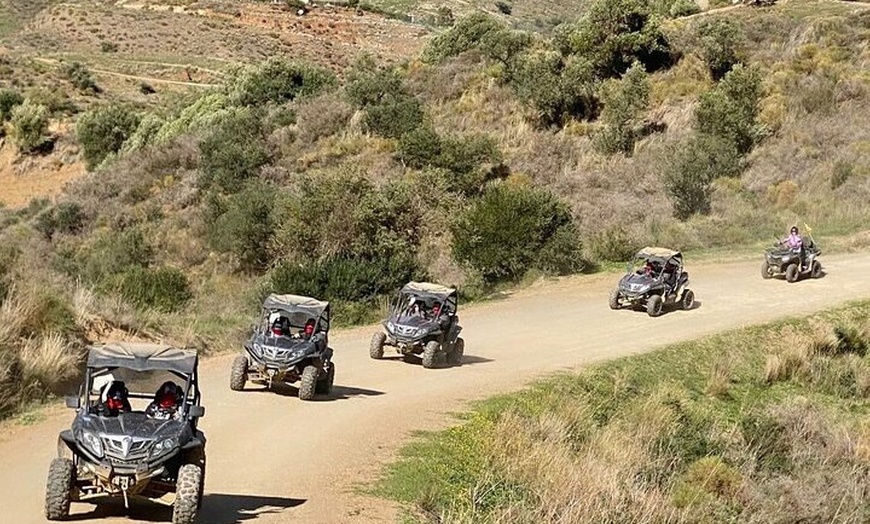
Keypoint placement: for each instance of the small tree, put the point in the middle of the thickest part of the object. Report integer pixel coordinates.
(80, 77)
(558, 89)
(233, 152)
(730, 110)
(720, 42)
(9, 98)
(624, 102)
(691, 168)
(394, 116)
(103, 130)
(368, 84)
(243, 225)
(29, 126)
(277, 81)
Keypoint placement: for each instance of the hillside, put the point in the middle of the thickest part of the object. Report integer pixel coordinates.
(216, 151)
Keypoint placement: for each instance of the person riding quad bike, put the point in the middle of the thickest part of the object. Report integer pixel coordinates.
(794, 256)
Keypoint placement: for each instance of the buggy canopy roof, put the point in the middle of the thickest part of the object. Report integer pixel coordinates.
(296, 303)
(428, 289)
(658, 252)
(143, 357)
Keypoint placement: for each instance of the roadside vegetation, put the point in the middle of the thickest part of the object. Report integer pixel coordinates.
(496, 156)
(762, 424)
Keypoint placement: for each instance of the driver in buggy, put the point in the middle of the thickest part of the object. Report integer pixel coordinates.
(166, 401)
(113, 400)
(795, 242)
(281, 327)
(439, 314)
(307, 331)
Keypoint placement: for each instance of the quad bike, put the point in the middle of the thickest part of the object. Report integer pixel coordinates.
(126, 453)
(289, 344)
(782, 260)
(423, 321)
(655, 279)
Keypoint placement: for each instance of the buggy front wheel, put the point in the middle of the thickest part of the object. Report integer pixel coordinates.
(654, 306)
(455, 356)
(239, 373)
(765, 270)
(791, 272)
(614, 299)
(688, 300)
(816, 271)
(308, 384)
(430, 354)
(58, 490)
(187, 494)
(376, 349)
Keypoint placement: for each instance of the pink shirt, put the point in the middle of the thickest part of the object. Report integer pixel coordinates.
(794, 241)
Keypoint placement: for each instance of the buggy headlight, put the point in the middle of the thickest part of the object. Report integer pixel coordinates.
(162, 446)
(391, 327)
(786, 258)
(92, 442)
(258, 350)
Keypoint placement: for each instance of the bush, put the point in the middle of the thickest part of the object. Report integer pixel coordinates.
(556, 89)
(9, 99)
(613, 245)
(368, 84)
(503, 234)
(165, 289)
(323, 116)
(842, 171)
(466, 34)
(233, 152)
(103, 130)
(720, 41)
(242, 224)
(684, 8)
(80, 77)
(145, 134)
(394, 116)
(623, 104)
(108, 47)
(279, 81)
(29, 126)
(613, 34)
(67, 218)
(110, 254)
(691, 169)
(730, 110)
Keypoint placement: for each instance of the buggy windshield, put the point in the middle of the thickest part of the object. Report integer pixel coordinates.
(141, 386)
(412, 304)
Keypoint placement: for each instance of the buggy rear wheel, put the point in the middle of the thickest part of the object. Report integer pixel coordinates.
(791, 273)
(188, 495)
(654, 306)
(58, 489)
(688, 300)
(614, 299)
(816, 271)
(239, 373)
(455, 356)
(324, 385)
(308, 384)
(430, 354)
(376, 349)
(765, 270)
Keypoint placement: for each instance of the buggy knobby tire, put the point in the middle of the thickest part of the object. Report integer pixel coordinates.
(792, 272)
(816, 270)
(614, 299)
(308, 383)
(324, 384)
(654, 306)
(376, 349)
(688, 300)
(187, 494)
(239, 373)
(58, 489)
(455, 356)
(430, 354)
(765, 270)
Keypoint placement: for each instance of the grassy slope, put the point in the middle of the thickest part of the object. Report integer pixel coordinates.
(762, 424)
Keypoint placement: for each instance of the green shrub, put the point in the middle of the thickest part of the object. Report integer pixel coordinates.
(394, 116)
(110, 254)
(202, 114)
(233, 152)
(80, 77)
(9, 99)
(466, 34)
(502, 234)
(103, 130)
(613, 34)
(108, 47)
(165, 289)
(278, 81)
(720, 42)
(623, 106)
(556, 89)
(66, 217)
(841, 172)
(691, 169)
(368, 84)
(462, 156)
(613, 245)
(683, 8)
(242, 224)
(730, 110)
(29, 126)
(145, 134)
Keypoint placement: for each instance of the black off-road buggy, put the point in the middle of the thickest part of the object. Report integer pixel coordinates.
(782, 260)
(128, 453)
(290, 343)
(655, 279)
(423, 321)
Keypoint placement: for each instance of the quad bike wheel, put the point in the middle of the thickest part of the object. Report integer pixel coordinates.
(308, 384)
(324, 385)
(688, 300)
(765, 270)
(376, 349)
(239, 373)
(614, 299)
(455, 356)
(792, 272)
(58, 489)
(188, 495)
(654, 306)
(430, 354)
(816, 270)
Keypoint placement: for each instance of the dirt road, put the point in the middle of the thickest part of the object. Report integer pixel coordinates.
(272, 458)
